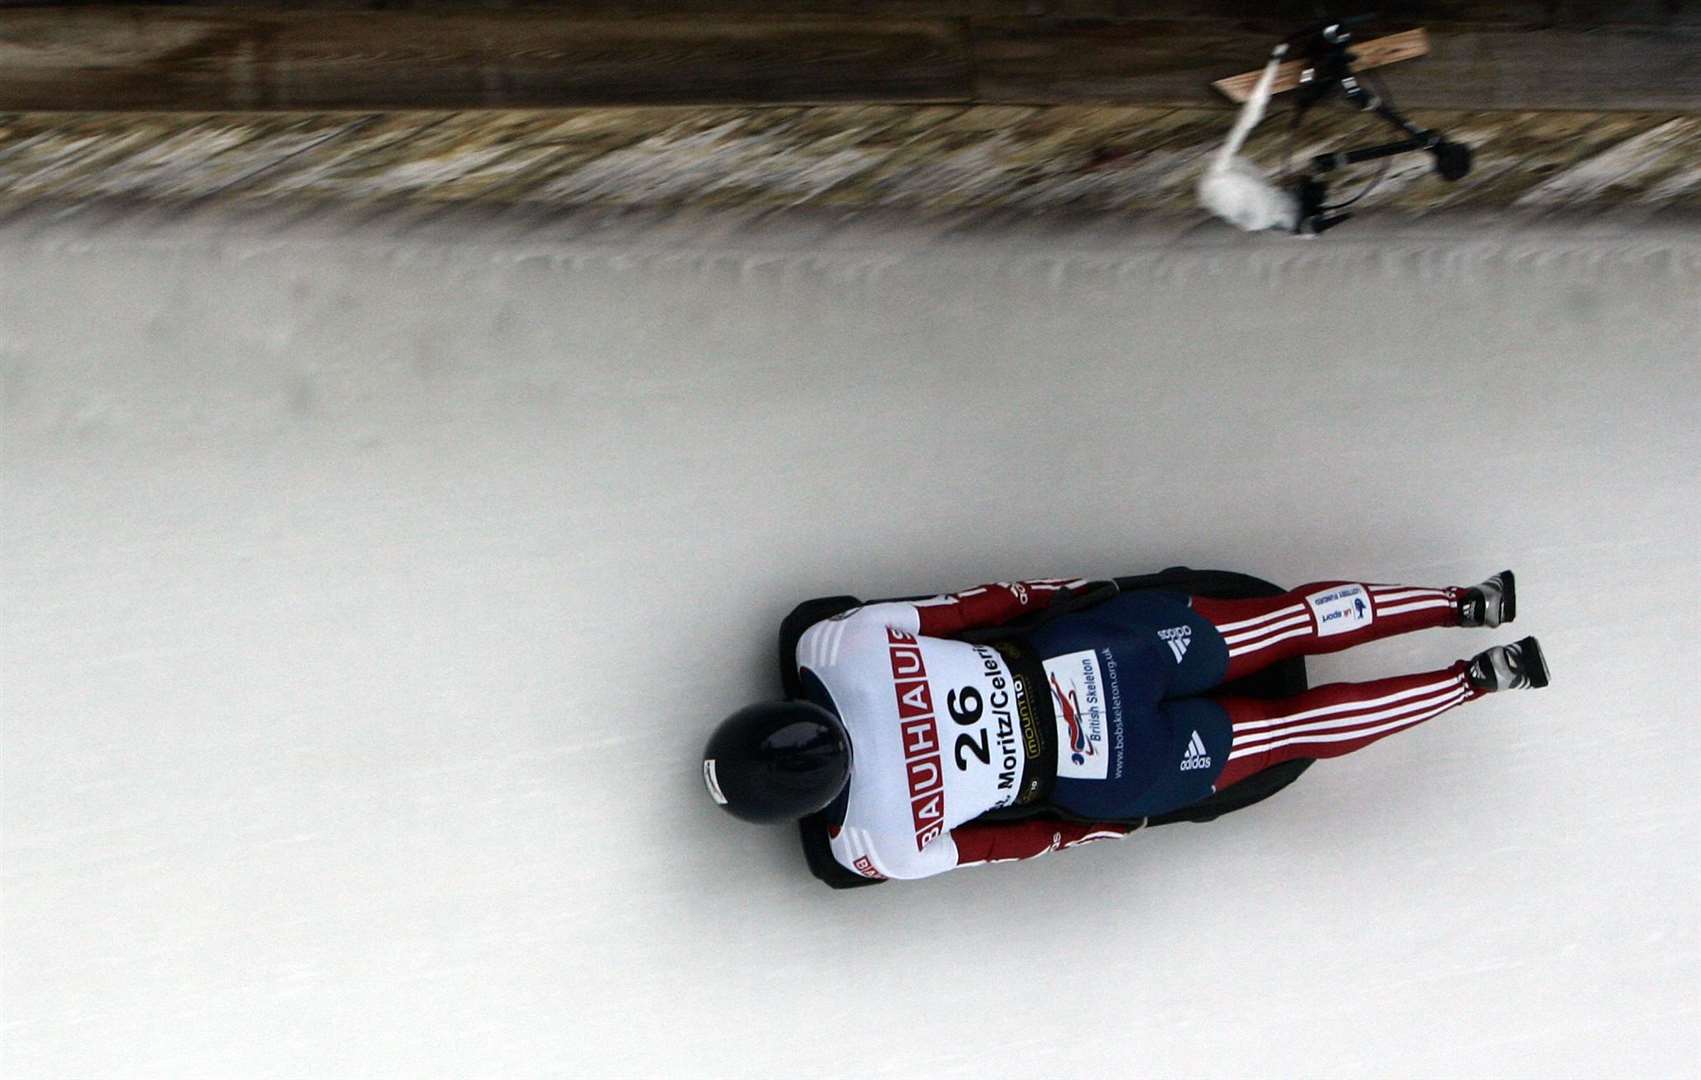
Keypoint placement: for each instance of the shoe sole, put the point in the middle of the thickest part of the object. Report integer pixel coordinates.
(1535, 664)
(1508, 597)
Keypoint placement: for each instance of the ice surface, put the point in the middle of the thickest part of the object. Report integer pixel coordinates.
(368, 596)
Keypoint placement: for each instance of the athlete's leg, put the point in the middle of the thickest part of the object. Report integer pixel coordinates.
(1186, 748)
(1337, 719)
(1327, 616)
(1333, 720)
(1180, 751)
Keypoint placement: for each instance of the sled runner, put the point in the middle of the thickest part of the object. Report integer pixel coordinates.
(1283, 679)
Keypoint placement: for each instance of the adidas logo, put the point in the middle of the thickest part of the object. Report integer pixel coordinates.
(1178, 638)
(1195, 758)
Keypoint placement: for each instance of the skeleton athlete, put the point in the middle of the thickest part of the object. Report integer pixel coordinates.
(920, 717)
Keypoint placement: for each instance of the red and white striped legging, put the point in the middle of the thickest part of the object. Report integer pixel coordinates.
(1328, 721)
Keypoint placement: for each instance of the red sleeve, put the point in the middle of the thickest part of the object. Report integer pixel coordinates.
(1003, 841)
(989, 605)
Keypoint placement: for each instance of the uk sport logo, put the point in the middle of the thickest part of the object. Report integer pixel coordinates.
(1340, 610)
(1195, 757)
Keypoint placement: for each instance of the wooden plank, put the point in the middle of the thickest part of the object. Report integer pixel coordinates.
(1375, 53)
(1288, 14)
(1608, 69)
(1157, 61)
(902, 10)
(1279, 16)
(1626, 68)
(263, 58)
(194, 59)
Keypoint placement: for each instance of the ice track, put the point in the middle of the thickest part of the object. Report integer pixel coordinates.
(369, 591)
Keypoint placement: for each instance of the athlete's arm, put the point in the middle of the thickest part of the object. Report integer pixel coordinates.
(1005, 841)
(968, 845)
(989, 605)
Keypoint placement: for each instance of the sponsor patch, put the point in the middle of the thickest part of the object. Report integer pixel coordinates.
(1340, 610)
(1078, 700)
(919, 734)
(1177, 638)
(1195, 757)
(712, 782)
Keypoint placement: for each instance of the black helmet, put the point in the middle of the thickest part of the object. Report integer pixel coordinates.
(777, 761)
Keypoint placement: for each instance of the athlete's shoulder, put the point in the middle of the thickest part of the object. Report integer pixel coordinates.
(823, 644)
(873, 852)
